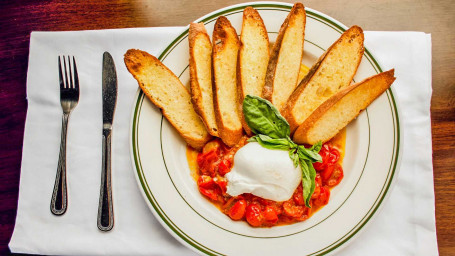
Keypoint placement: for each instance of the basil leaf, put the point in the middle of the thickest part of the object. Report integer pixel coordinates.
(252, 139)
(306, 182)
(294, 157)
(263, 118)
(272, 143)
(313, 183)
(309, 154)
(316, 147)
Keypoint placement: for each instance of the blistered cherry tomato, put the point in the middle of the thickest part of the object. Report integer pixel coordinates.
(237, 211)
(205, 181)
(317, 187)
(270, 214)
(222, 183)
(224, 167)
(336, 176)
(210, 193)
(207, 162)
(333, 155)
(323, 198)
(327, 173)
(209, 188)
(292, 210)
(329, 155)
(306, 213)
(298, 197)
(254, 215)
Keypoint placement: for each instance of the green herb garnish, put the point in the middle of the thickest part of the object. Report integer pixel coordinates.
(272, 132)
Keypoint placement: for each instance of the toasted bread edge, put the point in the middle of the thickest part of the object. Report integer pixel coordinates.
(288, 108)
(251, 15)
(196, 143)
(222, 32)
(197, 30)
(301, 135)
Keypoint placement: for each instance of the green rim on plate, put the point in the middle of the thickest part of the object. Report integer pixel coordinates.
(197, 246)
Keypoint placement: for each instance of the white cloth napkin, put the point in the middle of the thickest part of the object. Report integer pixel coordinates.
(405, 226)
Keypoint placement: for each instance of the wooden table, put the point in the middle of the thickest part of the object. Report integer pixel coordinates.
(19, 18)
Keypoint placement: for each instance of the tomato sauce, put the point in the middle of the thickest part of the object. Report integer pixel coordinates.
(209, 167)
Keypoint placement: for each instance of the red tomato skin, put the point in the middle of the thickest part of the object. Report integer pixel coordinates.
(237, 211)
(319, 166)
(333, 156)
(224, 167)
(327, 173)
(336, 177)
(205, 181)
(323, 198)
(270, 214)
(329, 155)
(222, 184)
(209, 188)
(210, 193)
(292, 210)
(254, 215)
(298, 198)
(207, 162)
(317, 187)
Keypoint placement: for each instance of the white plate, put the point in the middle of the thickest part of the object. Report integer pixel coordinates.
(371, 161)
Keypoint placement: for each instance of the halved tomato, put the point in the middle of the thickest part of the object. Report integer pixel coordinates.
(336, 175)
(292, 210)
(254, 215)
(317, 187)
(329, 154)
(323, 198)
(270, 214)
(224, 167)
(209, 188)
(237, 211)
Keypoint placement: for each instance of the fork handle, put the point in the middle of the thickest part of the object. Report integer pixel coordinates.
(59, 200)
(105, 206)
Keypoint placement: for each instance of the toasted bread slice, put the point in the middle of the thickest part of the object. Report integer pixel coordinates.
(166, 91)
(340, 109)
(201, 75)
(253, 59)
(286, 56)
(225, 50)
(334, 70)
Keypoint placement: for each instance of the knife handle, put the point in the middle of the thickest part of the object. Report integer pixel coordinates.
(105, 206)
(59, 194)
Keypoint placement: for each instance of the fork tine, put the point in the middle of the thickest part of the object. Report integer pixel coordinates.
(76, 78)
(66, 74)
(71, 84)
(60, 75)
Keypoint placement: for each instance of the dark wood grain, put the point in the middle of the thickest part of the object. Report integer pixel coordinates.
(19, 18)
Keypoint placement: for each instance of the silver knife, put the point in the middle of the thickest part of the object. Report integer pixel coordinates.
(105, 206)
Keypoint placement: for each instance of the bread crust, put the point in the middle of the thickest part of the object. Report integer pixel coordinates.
(226, 44)
(269, 87)
(253, 22)
(138, 63)
(372, 87)
(198, 34)
(294, 98)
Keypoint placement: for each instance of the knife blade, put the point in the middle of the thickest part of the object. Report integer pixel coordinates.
(109, 81)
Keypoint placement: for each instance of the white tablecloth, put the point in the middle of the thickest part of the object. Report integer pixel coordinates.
(405, 226)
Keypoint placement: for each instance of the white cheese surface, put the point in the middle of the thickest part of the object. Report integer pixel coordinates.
(263, 172)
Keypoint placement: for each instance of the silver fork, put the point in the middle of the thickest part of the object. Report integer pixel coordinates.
(69, 97)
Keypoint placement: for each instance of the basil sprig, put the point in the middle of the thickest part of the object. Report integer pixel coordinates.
(272, 132)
